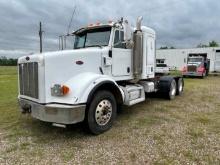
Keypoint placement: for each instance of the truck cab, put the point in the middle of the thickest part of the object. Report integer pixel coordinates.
(110, 64)
(196, 66)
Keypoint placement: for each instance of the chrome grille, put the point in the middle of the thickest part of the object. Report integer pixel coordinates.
(28, 79)
(192, 68)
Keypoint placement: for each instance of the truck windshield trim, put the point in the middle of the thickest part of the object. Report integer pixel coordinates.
(93, 38)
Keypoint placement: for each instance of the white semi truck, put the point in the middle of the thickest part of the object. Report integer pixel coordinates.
(111, 64)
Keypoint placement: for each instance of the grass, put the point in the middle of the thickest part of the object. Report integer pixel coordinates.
(175, 72)
(157, 131)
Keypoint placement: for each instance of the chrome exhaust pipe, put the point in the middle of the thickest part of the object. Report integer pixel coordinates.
(138, 51)
(138, 24)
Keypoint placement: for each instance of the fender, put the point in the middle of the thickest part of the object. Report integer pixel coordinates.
(83, 86)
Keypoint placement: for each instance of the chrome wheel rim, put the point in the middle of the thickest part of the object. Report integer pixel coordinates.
(103, 112)
(180, 86)
(173, 89)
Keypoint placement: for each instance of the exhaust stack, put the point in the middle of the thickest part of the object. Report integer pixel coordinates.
(138, 24)
(138, 51)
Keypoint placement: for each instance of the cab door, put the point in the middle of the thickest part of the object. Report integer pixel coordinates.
(121, 56)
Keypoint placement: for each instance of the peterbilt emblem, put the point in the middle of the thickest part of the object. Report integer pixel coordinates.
(79, 62)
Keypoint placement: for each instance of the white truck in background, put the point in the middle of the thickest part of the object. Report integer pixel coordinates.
(111, 64)
(161, 67)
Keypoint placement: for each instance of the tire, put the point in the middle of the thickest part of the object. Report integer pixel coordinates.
(207, 73)
(203, 75)
(167, 87)
(101, 112)
(180, 85)
(172, 90)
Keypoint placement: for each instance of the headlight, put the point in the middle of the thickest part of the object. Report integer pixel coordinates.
(59, 90)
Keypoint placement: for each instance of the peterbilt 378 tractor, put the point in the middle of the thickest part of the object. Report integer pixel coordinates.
(111, 64)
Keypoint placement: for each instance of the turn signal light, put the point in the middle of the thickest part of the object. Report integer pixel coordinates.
(65, 89)
(58, 90)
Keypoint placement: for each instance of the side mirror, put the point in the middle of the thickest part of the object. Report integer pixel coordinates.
(127, 31)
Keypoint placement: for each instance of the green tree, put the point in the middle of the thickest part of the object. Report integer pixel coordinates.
(213, 44)
(8, 62)
(164, 47)
(202, 46)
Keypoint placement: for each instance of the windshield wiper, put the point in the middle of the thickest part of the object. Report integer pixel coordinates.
(101, 46)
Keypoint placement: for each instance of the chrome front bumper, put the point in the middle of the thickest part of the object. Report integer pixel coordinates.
(192, 74)
(55, 113)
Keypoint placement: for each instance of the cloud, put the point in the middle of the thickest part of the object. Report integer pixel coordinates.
(14, 53)
(177, 23)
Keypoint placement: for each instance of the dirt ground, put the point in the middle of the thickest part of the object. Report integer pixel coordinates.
(157, 131)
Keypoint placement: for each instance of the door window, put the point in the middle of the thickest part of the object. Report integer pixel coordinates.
(119, 40)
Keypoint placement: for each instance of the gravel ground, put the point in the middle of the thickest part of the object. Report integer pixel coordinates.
(183, 131)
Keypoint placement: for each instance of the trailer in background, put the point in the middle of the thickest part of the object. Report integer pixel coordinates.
(178, 58)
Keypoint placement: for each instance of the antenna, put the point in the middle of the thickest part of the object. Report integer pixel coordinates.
(71, 20)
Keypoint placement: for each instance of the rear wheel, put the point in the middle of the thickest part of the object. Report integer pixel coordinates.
(168, 87)
(180, 85)
(101, 112)
(172, 90)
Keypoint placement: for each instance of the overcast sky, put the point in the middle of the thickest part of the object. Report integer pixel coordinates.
(182, 24)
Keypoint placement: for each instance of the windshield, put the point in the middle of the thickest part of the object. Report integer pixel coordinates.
(93, 38)
(195, 60)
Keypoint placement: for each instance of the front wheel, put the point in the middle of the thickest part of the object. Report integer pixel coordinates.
(101, 112)
(204, 74)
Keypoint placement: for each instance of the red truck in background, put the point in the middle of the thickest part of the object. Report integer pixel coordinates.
(197, 66)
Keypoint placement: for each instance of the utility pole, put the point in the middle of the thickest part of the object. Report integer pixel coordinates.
(40, 35)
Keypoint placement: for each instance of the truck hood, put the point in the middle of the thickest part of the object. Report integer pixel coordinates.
(60, 66)
(40, 57)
